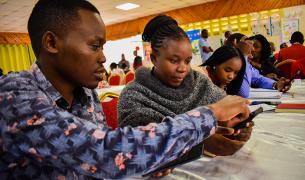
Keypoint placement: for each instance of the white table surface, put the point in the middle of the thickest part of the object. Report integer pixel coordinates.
(276, 150)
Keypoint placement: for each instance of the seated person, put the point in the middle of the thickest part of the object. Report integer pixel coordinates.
(252, 77)
(296, 51)
(226, 68)
(51, 122)
(263, 59)
(114, 70)
(137, 62)
(171, 86)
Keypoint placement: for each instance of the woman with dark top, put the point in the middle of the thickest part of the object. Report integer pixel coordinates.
(226, 68)
(263, 59)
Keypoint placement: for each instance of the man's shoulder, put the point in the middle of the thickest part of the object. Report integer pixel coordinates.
(17, 81)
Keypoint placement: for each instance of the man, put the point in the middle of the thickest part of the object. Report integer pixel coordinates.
(51, 123)
(296, 51)
(204, 46)
(227, 35)
(124, 64)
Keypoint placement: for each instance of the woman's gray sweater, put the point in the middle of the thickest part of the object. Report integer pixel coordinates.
(147, 99)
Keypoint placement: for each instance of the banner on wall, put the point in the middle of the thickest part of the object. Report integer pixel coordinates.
(194, 36)
(289, 26)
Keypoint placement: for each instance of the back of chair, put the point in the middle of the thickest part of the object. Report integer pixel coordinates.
(129, 77)
(110, 111)
(114, 80)
(110, 108)
(285, 67)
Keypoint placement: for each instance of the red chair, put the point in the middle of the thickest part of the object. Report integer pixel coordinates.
(114, 80)
(296, 66)
(110, 109)
(285, 67)
(129, 77)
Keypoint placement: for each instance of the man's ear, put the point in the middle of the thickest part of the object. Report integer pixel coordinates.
(50, 42)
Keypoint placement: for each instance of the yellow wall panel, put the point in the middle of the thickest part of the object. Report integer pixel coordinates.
(16, 57)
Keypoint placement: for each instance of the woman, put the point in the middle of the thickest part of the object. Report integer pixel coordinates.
(171, 86)
(263, 59)
(226, 68)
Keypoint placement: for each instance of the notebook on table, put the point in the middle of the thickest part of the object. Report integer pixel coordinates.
(290, 108)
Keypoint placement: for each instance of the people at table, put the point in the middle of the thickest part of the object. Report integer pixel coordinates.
(252, 77)
(51, 122)
(171, 86)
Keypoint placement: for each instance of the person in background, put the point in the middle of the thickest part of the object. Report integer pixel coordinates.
(226, 68)
(263, 59)
(252, 77)
(296, 51)
(1, 72)
(124, 64)
(204, 46)
(283, 45)
(51, 122)
(137, 62)
(171, 86)
(272, 47)
(227, 34)
(276, 55)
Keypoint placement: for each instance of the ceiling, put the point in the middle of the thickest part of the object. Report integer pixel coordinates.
(14, 14)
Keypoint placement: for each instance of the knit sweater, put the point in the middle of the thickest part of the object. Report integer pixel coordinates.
(147, 99)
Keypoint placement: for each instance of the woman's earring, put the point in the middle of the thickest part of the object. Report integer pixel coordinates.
(214, 67)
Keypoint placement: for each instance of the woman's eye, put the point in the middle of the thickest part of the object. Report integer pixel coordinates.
(95, 47)
(173, 61)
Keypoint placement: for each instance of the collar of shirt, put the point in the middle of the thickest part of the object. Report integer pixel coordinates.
(81, 95)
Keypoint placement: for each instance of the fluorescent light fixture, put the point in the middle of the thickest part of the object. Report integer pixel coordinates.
(127, 6)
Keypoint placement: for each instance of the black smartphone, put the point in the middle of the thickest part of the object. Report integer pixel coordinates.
(249, 119)
(193, 154)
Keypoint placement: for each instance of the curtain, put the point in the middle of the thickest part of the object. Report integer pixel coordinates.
(16, 57)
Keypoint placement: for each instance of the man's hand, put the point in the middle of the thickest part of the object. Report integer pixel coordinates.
(283, 84)
(230, 110)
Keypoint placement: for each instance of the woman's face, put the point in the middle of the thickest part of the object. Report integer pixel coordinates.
(172, 63)
(257, 49)
(227, 71)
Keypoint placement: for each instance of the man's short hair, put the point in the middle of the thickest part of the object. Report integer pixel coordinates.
(297, 37)
(56, 16)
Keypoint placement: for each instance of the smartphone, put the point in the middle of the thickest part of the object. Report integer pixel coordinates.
(249, 119)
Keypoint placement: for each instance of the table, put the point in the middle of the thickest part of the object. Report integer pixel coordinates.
(276, 150)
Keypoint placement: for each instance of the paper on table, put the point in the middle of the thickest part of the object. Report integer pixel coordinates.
(262, 90)
(265, 107)
(265, 95)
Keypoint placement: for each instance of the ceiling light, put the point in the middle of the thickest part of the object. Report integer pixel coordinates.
(127, 6)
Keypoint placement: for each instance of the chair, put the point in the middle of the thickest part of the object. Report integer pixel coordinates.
(129, 77)
(110, 108)
(285, 67)
(114, 80)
